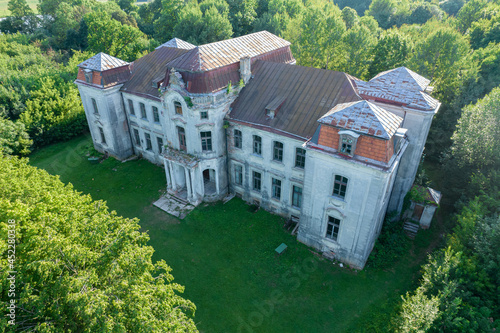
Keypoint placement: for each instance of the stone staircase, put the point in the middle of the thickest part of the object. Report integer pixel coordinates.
(411, 228)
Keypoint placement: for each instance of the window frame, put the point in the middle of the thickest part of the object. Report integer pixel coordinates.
(238, 174)
(131, 107)
(181, 136)
(257, 145)
(156, 114)
(137, 137)
(347, 142)
(94, 105)
(238, 139)
(278, 151)
(142, 107)
(256, 179)
(206, 141)
(149, 145)
(333, 228)
(159, 142)
(276, 188)
(178, 108)
(103, 137)
(298, 197)
(88, 75)
(340, 186)
(300, 157)
(204, 115)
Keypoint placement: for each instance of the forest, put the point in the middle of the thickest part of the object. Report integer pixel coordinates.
(454, 43)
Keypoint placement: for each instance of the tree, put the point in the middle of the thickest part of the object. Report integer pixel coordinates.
(165, 20)
(392, 50)
(80, 267)
(358, 44)
(350, 17)
(13, 138)
(381, 11)
(110, 36)
(475, 142)
(316, 37)
(451, 7)
(22, 18)
(469, 13)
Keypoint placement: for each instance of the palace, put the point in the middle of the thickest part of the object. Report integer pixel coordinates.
(238, 116)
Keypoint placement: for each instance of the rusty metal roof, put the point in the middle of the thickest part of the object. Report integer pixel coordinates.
(398, 86)
(214, 55)
(101, 62)
(148, 68)
(178, 44)
(363, 117)
(309, 93)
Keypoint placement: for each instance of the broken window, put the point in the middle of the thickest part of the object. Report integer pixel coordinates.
(257, 145)
(300, 158)
(206, 141)
(238, 139)
(296, 196)
(340, 186)
(278, 151)
(332, 230)
(276, 189)
(257, 177)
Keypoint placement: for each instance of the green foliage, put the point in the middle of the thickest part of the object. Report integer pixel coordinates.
(229, 88)
(382, 10)
(200, 27)
(79, 266)
(350, 17)
(475, 142)
(13, 138)
(188, 100)
(54, 112)
(110, 36)
(392, 244)
(392, 50)
(469, 13)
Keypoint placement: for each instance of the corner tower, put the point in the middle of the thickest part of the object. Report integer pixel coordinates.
(99, 81)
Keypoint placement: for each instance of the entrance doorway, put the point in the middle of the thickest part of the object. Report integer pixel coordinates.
(209, 181)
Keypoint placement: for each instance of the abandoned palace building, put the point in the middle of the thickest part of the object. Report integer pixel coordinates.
(238, 116)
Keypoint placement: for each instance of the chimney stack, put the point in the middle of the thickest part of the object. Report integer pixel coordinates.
(245, 69)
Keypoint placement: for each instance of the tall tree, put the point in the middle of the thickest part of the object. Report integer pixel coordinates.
(382, 10)
(392, 50)
(80, 267)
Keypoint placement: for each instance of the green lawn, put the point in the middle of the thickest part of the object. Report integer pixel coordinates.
(224, 256)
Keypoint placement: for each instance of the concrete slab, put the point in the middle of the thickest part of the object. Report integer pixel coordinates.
(174, 206)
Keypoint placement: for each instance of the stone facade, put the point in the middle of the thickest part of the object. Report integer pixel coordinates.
(335, 159)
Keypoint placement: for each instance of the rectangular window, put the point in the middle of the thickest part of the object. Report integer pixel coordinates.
(276, 189)
(257, 145)
(131, 107)
(206, 141)
(94, 105)
(182, 138)
(88, 75)
(156, 115)
(296, 196)
(257, 177)
(103, 138)
(238, 174)
(238, 139)
(300, 158)
(160, 144)
(340, 186)
(143, 111)
(278, 151)
(204, 115)
(178, 108)
(149, 146)
(332, 230)
(137, 137)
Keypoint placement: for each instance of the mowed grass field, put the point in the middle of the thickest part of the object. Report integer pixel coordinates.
(224, 256)
(4, 9)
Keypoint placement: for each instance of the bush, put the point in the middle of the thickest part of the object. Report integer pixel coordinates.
(391, 245)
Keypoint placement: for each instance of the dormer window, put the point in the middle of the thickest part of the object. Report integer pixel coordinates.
(347, 144)
(88, 75)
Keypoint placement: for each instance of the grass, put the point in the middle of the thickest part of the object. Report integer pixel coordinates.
(224, 256)
(4, 9)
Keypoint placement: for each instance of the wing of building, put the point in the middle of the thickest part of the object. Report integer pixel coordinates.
(238, 116)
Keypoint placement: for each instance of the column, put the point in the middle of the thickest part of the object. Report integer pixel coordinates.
(217, 181)
(188, 183)
(172, 175)
(167, 172)
(201, 182)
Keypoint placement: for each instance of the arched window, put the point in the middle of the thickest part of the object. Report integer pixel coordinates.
(178, 108)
